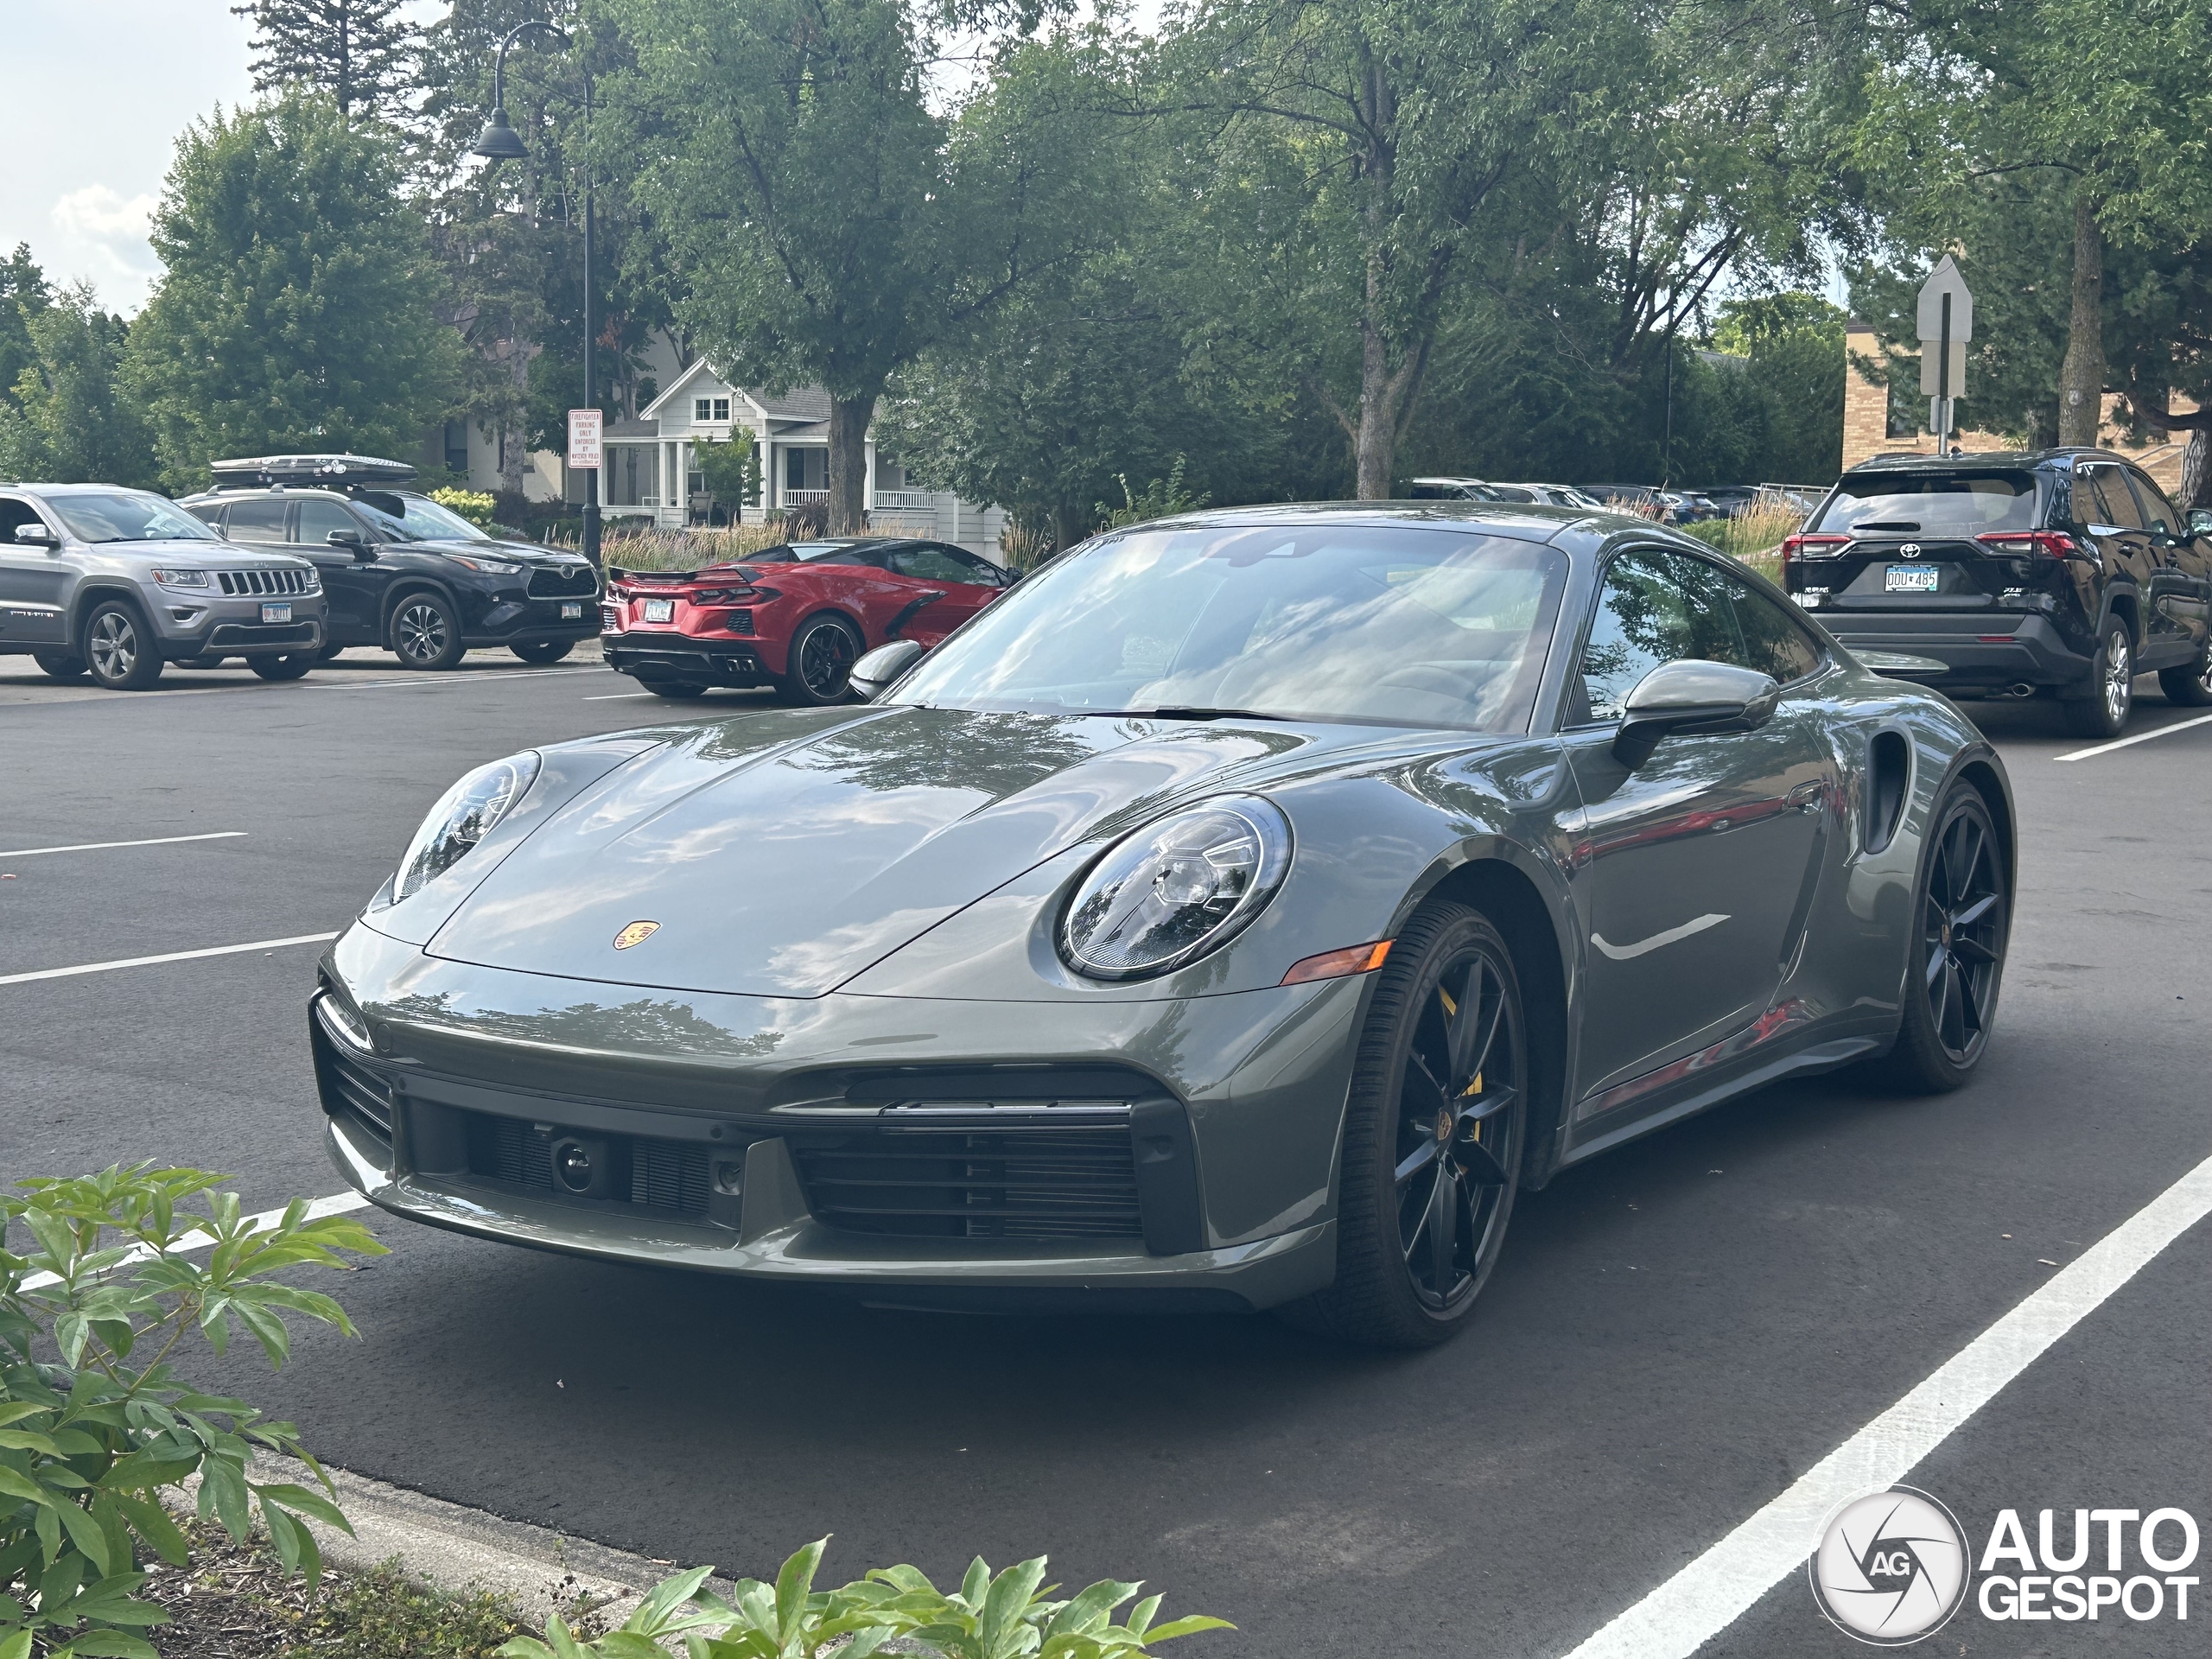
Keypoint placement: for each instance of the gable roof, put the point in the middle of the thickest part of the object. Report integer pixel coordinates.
(806, 403)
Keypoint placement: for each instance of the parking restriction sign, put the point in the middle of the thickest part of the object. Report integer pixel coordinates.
(585, 426)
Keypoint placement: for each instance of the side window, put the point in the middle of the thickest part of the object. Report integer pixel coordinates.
(319, 517)
(1773, 642)
(927, 563)
(2103, 492)
(2157, 511)
(1655, 607)
(259, 521)
(14, 512)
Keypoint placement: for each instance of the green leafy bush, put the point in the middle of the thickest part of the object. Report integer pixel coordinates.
(1162, 498)
(479, 507)
(88, 1445)
(1005, 1616)
(730, 470)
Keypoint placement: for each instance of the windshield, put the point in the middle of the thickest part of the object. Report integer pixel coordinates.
(1389, 625)
(127, 515)
(1902, 502)
(416, 518)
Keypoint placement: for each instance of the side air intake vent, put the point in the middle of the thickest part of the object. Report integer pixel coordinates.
(1889, 771)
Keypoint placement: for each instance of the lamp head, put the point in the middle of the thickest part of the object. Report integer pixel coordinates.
(499, 141)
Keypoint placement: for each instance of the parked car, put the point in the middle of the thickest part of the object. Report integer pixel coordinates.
(114, 582)
(1549, 495)
(1240, 911)
(2052, 572)
(1450, 489)
(403, 573)
(795, 617)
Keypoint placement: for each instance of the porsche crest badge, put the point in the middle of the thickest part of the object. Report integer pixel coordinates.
(636, 933)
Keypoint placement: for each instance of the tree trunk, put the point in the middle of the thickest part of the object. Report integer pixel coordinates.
(513, 442)
(2082, 376)
(2197, 470)
(848, 422)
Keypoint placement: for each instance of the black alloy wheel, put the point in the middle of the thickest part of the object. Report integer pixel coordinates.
(119, 648)
(1957, 960)
(823, 655)
(292, 666)
(425, 633)
(2104, 711)
(675, 690)
(2189, 685)
(1433, 1139)
(60, 664)
(543, 650)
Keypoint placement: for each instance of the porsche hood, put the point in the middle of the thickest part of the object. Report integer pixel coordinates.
(780, 855)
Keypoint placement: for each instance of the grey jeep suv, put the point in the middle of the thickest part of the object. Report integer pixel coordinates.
(115, 582)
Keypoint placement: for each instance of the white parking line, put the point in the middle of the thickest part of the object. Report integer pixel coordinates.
(102, 846)
(2141, 737)
(617, 696)
(338, 1204)
(446, 682)
(1713, 1591)
(172, 955)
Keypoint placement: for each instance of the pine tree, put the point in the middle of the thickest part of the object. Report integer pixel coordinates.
(359, 51)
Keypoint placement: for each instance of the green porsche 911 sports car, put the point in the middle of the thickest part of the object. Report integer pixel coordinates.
(1241, 909)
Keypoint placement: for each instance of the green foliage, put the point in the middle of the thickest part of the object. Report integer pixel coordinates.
(731, 471)
(478, 507)
(1162, 498)
(359, 51)
(387, 1613)
(296, 308)
(24, 293)
(1007, 1617)
(69, 420)
(87, 1446)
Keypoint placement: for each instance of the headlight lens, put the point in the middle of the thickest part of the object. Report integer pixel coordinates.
(1174, 890)
(488, 567)
(463, 817)
(181, 578)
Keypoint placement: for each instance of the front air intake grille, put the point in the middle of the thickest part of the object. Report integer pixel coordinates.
(661, 1175)
(574, 581)
(351, 1088)
(254, 583)
(916, 1182)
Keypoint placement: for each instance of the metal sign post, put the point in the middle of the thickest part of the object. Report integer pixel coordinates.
(1946, 319)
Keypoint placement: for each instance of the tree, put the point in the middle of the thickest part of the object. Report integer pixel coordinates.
(831, 225)
(72, 422)
(23, 295)
(360, 52)
(297, 308)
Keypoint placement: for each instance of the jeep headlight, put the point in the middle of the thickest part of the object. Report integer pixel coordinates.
(463, 817)
(183, 578)
(1165, 895)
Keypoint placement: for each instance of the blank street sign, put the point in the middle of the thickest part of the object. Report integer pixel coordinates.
(1946, 280)
(1930, 356)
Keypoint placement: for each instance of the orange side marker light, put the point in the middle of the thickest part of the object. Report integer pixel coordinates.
(1335, 964)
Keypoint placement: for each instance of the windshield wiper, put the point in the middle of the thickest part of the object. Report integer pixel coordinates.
(1191, 711)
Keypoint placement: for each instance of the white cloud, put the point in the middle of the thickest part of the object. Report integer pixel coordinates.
(103, 235)
(98, 213)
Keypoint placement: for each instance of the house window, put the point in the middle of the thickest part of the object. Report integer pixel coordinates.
(806, 469)
(457, 446)
(704, 409)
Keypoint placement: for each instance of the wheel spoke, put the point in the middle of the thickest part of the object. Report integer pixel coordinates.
(1489, 1103)
(1482, 1166)
(1444, 1232)
(1421, 1081)
(1969, 1008)
(1937, 960)
(1971, 951)
(1973, 913)
(1416, 1161)
(1411, 1242)
(1946, 1011)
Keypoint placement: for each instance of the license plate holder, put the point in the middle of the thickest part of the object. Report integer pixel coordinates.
(659, 610)
(572, 610)
(276, 613)
(1911, 579)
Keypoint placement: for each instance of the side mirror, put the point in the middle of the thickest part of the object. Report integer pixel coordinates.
(880, 669)
(2200, 521)
(37, 535)
(350, 539)
(1689, 697)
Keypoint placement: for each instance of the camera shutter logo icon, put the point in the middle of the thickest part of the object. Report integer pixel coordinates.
(1890, 1567)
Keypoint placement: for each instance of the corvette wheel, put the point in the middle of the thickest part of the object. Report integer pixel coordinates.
(2104, 712)
(119, 649)
(425, 633)
(542, 650)
(1433, 1139)
(821, 661)
(1964, 914)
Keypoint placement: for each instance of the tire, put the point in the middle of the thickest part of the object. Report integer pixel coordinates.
(675, 690)
(2191, 686)
(2104, 711)
(201, 662)
(425, 632)
(1962, 905)
(119, 648)
(1431, 1164)
(60, 664)
(294, 666)
(543, 650)
(329, 653)
(822, 654)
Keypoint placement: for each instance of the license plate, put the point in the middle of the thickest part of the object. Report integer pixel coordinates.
(1910, 579)
(276, 613)
(660, 610)
(573, 610)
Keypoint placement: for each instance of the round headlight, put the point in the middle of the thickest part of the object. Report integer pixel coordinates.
(463, 817)
(1167, 894)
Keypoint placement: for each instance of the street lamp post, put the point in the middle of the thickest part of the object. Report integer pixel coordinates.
(501, 143)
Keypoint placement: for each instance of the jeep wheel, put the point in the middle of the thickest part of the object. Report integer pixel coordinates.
(60, 664)
(425, 633)
(2104, 711)
(119, 648)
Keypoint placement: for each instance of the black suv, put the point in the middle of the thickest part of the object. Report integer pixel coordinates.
(403, 572)
(2057, 572)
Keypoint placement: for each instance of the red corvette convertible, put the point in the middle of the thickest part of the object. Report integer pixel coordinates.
(795, 616)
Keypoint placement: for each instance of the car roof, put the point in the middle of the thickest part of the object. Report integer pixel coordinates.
(1533, 521)
(1912, 461)
(79, 489)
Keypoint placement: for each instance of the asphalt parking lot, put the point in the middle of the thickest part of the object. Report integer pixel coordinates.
(1676, 1333)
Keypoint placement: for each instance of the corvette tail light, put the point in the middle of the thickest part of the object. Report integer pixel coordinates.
(1795, 547)
(733, 596)
(2030, 543)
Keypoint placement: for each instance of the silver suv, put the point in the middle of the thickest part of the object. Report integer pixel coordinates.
(115, 582)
